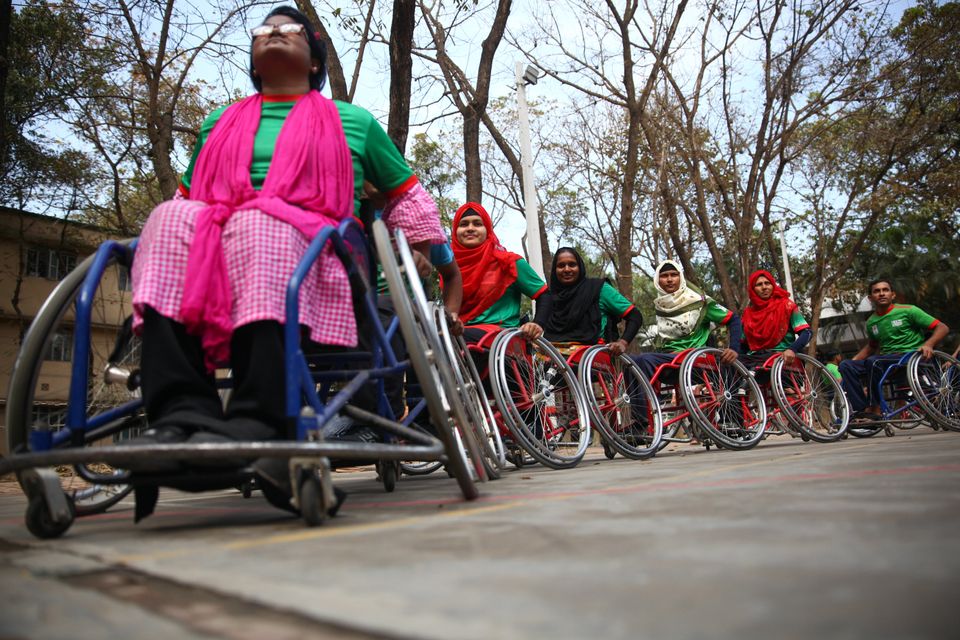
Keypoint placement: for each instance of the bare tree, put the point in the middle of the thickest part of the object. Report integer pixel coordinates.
(602, 64)
(470, 98)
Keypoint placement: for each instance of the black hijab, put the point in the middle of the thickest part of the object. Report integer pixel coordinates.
(575, 309)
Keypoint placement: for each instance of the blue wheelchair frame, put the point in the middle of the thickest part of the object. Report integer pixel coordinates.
(887, 413)
(350, 245)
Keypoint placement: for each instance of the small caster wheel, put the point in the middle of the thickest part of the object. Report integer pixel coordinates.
(888, 431)
(388, 472)
(311, 500)
(41, 524)
(805, 437)
(516, 457)
(608, 451)
(246, 489)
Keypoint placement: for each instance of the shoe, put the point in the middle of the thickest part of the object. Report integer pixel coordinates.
(346, 430)
(166, 434)
(209, 437)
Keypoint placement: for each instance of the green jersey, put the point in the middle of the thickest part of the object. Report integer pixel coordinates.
(505, 312)
(796, 325)
(375, 157)
(715, 313)
(834, 370)
(902, 328)
(612, 303)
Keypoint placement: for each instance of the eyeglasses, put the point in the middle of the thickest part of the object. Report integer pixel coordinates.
(285, 29)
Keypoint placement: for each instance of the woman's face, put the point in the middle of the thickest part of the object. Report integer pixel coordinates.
(282, 54)
(763, 287)
(669, 281)
(568, 271)
(471, 232)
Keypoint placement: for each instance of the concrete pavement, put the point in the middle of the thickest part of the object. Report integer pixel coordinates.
(855, 539)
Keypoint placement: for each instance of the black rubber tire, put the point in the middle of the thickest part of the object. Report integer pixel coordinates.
(92, 499)
(39, 522)
(615, 375)
(312, 509)
(549, 453)
(744, 381)
(939, 399)
(425, 370)
(820, 390)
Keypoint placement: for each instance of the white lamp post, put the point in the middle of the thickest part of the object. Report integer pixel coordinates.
(534, 252)
(786, 260)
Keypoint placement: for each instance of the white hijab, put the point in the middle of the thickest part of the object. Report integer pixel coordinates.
(678, 313)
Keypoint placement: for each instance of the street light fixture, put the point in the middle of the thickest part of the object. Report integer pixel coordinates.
(530, 208)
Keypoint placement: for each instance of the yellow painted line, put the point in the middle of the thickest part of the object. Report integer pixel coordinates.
(359, 529)
(320, 533)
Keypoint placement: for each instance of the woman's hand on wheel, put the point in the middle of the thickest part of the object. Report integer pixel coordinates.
(617, 347)
(531, 331)
(455, 323)
(728, 356)
(789, 356)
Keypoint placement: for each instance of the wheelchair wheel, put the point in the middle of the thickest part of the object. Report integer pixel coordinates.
(936, 386)
(468, 433)
(36, 382)
(425, 358)
(865, 426)
(724, 400)
(540, 399)
(415, 468)
(474, 397)
(622, 403)
(810, 399)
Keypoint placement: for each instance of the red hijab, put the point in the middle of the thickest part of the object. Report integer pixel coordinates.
(765, 322)
(487, 269)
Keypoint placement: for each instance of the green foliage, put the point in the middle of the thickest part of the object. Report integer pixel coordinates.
(50, 62)
(438, 172)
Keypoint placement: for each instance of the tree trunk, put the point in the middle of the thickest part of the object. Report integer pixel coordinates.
(6, 13)
(338, 82)
(473, 171)
(401, 71)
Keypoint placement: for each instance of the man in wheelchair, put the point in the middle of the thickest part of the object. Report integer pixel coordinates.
(893, 329)
(211, 268)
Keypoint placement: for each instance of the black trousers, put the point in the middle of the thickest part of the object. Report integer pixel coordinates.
(177, 388)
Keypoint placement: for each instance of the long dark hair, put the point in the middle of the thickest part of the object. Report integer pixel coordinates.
(318, 49)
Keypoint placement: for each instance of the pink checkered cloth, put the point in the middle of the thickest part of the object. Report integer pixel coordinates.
(261, 254)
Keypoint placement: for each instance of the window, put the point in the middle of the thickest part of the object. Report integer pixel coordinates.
(53, 418)
(61, 347)
(123, 279)
(49, 263)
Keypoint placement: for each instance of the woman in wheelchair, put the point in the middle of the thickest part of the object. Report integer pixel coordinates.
(211, 268)
(684, 317)
(578, 310)
(771, 323)
(494, 279)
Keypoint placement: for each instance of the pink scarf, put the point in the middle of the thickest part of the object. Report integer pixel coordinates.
(309, 185)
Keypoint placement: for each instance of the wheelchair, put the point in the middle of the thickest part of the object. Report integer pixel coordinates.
(622, 403)
(805, 400)
(538, 407)
(719, 405)
(76, 471)
(915, 392)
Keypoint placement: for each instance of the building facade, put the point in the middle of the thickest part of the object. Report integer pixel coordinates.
(36, 253)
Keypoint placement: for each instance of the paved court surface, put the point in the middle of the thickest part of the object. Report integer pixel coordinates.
(857, 539)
